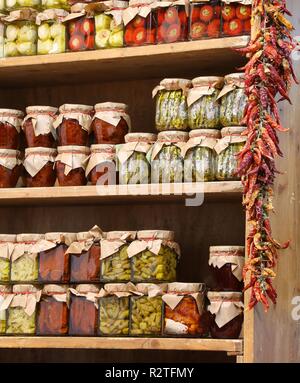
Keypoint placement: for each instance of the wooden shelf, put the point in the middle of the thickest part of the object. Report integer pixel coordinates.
(154, 61)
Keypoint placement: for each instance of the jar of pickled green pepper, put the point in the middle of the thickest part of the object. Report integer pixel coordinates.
(171, 104)
(7, 244)
(227, 148)
(166, 157)
(203, 107)
(200, 156)
(5, 290)
(134, 158)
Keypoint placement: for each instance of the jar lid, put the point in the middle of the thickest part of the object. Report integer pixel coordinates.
(40, 151)
(146, 288)
(75, 108)
(103, 148)
(84, 235)
(119, 4)
(8, 238)
(50, 289)
(235, 78)
(140, 2)
(172, 136)
(224, 296)
(73, 149)
(11, 113)
(41, 109)
(84, 289)
(175, 83)
(116, 287)
(51, 14)
(115, 235)
(24, 289)
(232, 131)
(166, 235)
(114, 106)
(213, 133)
(60, 237)
(140, 137)
(10, 153)
(215, 249)
(215, 81)
(5, 289)
(26, 14)
(183, 287)
(29, 237)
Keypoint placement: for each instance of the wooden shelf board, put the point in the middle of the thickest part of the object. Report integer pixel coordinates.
(153, 61)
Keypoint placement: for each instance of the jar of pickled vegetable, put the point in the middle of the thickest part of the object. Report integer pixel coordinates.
(38, 126)
(115, 264)
(199, 155)
(70, 164)
(57, 4)
(73, 124)
(184, 310)
(10, 167)
(205, 19)
(203, 107)
(110, 123)
(167, 164)
(4, 292)
(10, 127)
(140, 23)
(236, 17)
(53, 311)
(233, 100)
(1, 30)
(227, 264)
(101, 168)
(83, 319)
(19, 4)
(146, 309)
(226, 314)
(154, 256)
(134, 158)
(39, 167)
(7, 244)
(227, 149)
(171, 104)
(54, 264)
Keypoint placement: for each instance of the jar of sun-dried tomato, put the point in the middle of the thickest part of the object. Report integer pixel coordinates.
(73, 124)
(10, 126)
(39, 167)
(38, 126)
(101, 168)
(10, 167)
(110, 123)
(71, 164)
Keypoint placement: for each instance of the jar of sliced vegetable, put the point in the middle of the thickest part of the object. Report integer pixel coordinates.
(101, 168)
(7, 245)
(10, 167)
(10, 127)
(5, 290)
(19, 4)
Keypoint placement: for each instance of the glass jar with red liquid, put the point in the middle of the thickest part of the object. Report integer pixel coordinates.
(236, 17)
(101, 168)
(10, 167)
(10, 127)
(205, 20)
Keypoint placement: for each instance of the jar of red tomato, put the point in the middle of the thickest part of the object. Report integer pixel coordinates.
(205, 19)
(38, 126)
(110, 123)
(236, 17)
(10, 167)
(140, 23)
(101, 168)
(10, 126)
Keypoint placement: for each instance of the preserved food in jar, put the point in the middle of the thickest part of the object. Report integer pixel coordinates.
(184, 310)
(4, 292)
(233, 100)
(227, 148)
(7, 242)
(83, 319)
(53, 312)
(140, 23)
(133, 158)
(19, 4)
(54, 263)
(199, 155)
(10, 126)
(166, 157)
(110, 123)
(236, 17)
(57, 4)
(10, 167)
(226, 314)
(39, 167)
(171, 104)
(227, 264)
(101, 168)
(1, 30)
(71, 164)
(203, 107)
(205, 19)
(115, 264)
(38, 126)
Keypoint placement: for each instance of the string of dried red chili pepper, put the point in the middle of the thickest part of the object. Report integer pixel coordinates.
(268, 74)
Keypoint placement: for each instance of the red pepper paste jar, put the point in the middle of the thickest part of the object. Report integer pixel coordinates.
(10, 167)
(110, 123)
(38, 126)
(10, 127)
(53, 312)
(73, 124)
(71, 164)
(83, 319)
(101, 168)
(226, 314)
(205, 19)
(236, 17)
(39, 167)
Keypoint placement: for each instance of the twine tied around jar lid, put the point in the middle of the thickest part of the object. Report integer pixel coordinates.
(29, 238)
(73, 149)
(121, 235)
(185, 288)
(119, 290)
(11, 113)
(41, 151)
(210, 81)
(172, 136)
(35, 110)
(111, 106)
(4, 238)
(60, 237)
(150, 289)
(140, 3)
(233, 131)
(54, 289)
(211, 133)
(103, 148)
(228, 296)
(140, 137)
(230, 250)
(237, 79)
(76, 108)
(51, 14)
(87, 288)
(25, 289)
(166, 235)
(5, 289)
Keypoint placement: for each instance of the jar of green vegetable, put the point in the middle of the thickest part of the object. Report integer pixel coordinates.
(5, 290)
(7, 244)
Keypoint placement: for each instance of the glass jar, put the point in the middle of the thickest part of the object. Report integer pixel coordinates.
(171, 104)
(226, 263)
(227, 149)
(115, 264)
(19, 4)
(101, 168)
(83, 319)
(38, 126)
(203, 107)
(80, 29)
(1, 30)
(154, 256)
(24, 259)
(205, 19)
(233, 100)
(10, 126)
(133, 158)
(53, 312)
(226, 314)
(7, 244)
(199, 155)
(54, 263)
(71, 164)
(56, 4)
(4, 292)
(110, 123)
(167, 164)
(236, 17)
(10, 167)
(73, 124)
(140, 23)
(39, 167)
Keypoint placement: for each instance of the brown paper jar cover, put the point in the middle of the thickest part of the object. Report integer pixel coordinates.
(10, 167)
(10, 123)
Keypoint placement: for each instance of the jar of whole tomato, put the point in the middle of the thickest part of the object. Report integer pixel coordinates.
(110, 123)
(236, 17)
(10, 127)
(10, 167)
(5, 291)
(7, 244)
(205, 19)
(101, 168)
